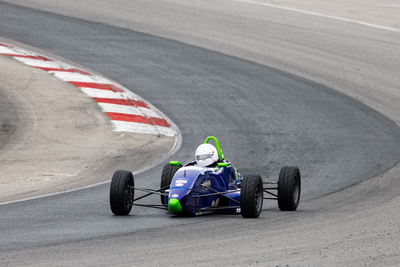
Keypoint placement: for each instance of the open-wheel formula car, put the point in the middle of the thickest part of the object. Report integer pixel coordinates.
(195, 189)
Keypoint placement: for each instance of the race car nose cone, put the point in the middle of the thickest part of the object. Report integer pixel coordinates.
(174, 205)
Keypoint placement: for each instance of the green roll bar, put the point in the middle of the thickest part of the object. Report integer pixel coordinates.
(217, 146)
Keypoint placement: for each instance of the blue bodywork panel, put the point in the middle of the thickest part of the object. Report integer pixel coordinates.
(202, 190)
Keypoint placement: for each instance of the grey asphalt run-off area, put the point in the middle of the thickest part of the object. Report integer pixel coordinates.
(265, 118)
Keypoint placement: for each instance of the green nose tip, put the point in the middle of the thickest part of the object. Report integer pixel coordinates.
(174, 205)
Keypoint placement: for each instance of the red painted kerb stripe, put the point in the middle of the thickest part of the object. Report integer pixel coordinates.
(137, 119)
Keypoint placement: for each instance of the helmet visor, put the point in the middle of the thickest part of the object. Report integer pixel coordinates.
(204, 156)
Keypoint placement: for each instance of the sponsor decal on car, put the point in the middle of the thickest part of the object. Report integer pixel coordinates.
(180, 182)
(215, 203)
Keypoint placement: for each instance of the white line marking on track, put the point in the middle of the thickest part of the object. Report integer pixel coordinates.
(319, 15)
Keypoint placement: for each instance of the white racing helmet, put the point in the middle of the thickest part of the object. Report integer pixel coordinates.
(206, 154)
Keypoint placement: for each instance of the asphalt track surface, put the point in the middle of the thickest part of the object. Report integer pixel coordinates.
(264, 117)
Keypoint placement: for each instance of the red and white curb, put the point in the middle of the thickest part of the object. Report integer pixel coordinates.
(126, 110)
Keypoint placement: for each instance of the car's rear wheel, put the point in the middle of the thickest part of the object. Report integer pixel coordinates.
(251, 196)
(166, 178)
(289, 188)
(122, 192)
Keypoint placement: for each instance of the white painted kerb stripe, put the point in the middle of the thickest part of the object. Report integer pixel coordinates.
(78, 77)
(105, 93)
(125, 126)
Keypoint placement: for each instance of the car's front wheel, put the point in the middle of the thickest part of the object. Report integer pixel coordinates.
(166, 178)
(122, 192)
(251, 196)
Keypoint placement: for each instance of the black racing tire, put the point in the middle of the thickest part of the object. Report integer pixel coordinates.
(289, 188)
(122, 192)
(166, 178)
(251, 196)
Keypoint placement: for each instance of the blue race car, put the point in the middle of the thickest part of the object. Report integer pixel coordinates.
(209, 184)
